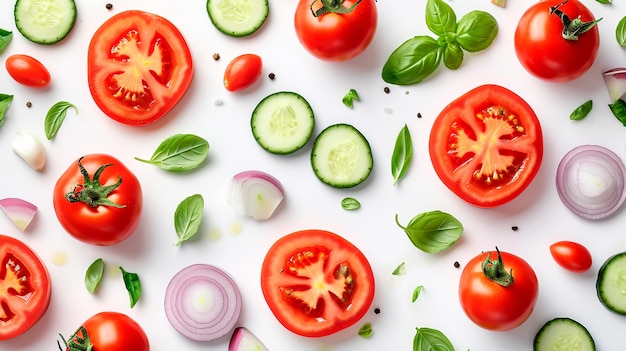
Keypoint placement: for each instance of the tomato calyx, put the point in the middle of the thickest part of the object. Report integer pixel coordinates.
(331, 6)
(79, 341)
(494, 270)
(572, 28)
(92, 192)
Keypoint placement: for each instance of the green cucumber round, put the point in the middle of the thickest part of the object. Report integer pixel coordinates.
(563, 334)
(238, 18)
(611, 283)
(45, 22)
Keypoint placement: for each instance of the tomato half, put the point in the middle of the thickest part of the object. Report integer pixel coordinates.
(110, 331)
(139, 67)
(487, 146)
(98, 200)
(27, 71)
(336, 30)
(571, 255)
(491, 298)
(543, 50)
(242, 72)
(316, 282)
(25, 288)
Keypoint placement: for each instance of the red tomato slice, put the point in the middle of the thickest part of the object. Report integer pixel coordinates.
(316, 282)
(24, 288)
(487, 146)
(139, 67)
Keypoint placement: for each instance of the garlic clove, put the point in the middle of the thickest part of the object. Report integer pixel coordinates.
(28, 147)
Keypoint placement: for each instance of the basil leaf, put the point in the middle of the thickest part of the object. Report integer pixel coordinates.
(413, 61)
(188, 217)
(179, 153)
(366, 330)
(606, 2)
(402, 153)
(349, 98)
(620, 32)
(433, 231)
(5, 38)
(133, 286)
(619, 110)
(440, 17)
(453, 56)
(428, 339)
(350, 204)
(581, 111)
(55, 117)
(93, 276)
(416, 293)
(400, 270)
(476, 31)
(5, 101)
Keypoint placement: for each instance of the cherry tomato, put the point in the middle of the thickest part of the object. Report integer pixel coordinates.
(98, 200)
(487, 146)
(138, 67)
(27, 71)
(242, 72)
(542, 48)
(498, 290)
(110, 331)
(336, 30)
(25, 288)
(571, 256)
(316, 282)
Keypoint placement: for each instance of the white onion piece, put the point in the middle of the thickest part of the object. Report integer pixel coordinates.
(615, 81)
(203, 302)
(590, 181)
(255, 194)
(30, 149)
(244, 340)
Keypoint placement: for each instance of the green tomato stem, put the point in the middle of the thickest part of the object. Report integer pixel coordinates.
(572, 28)
(331, 6)
(494, 270)
(91, 192)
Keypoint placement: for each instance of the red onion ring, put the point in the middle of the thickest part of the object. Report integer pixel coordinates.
(590, 181)
(202, 302)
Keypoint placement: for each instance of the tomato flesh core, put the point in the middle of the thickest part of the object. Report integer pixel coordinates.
(14, 284)
(322, 289)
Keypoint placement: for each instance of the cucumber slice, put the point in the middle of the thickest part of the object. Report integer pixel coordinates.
(611, 283)
(45, 21)
(341, 156)
(238, 18)
(563, 334)
(283, 122)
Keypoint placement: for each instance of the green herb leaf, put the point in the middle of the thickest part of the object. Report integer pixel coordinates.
(413, 61)
(606, 2)
(416, 293)
(93, 276)
(581, 111)
(620, 32)
(5, 38)
(402, 154)
(440, 17)
(400, 270)
(55, 117)
(428, 339)
(619, 110)
(349, 98)
(433, 231)
(188, 217)
(5, 101)
(476, 31)
(350, 204)
(133, 286)
(453, 56)
(366, 330)
(179, 153)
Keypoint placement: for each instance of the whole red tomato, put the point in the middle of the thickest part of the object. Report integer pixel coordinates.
(98, 200)
(242, 72)
(336, 30)
(557, 40)
(27, 71)
(109, 331)
(571, 255)
(498, 290)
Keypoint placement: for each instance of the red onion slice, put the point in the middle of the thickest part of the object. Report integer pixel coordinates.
(590, 181)
(202, 302)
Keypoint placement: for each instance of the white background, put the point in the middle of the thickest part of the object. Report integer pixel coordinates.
(238, 244)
